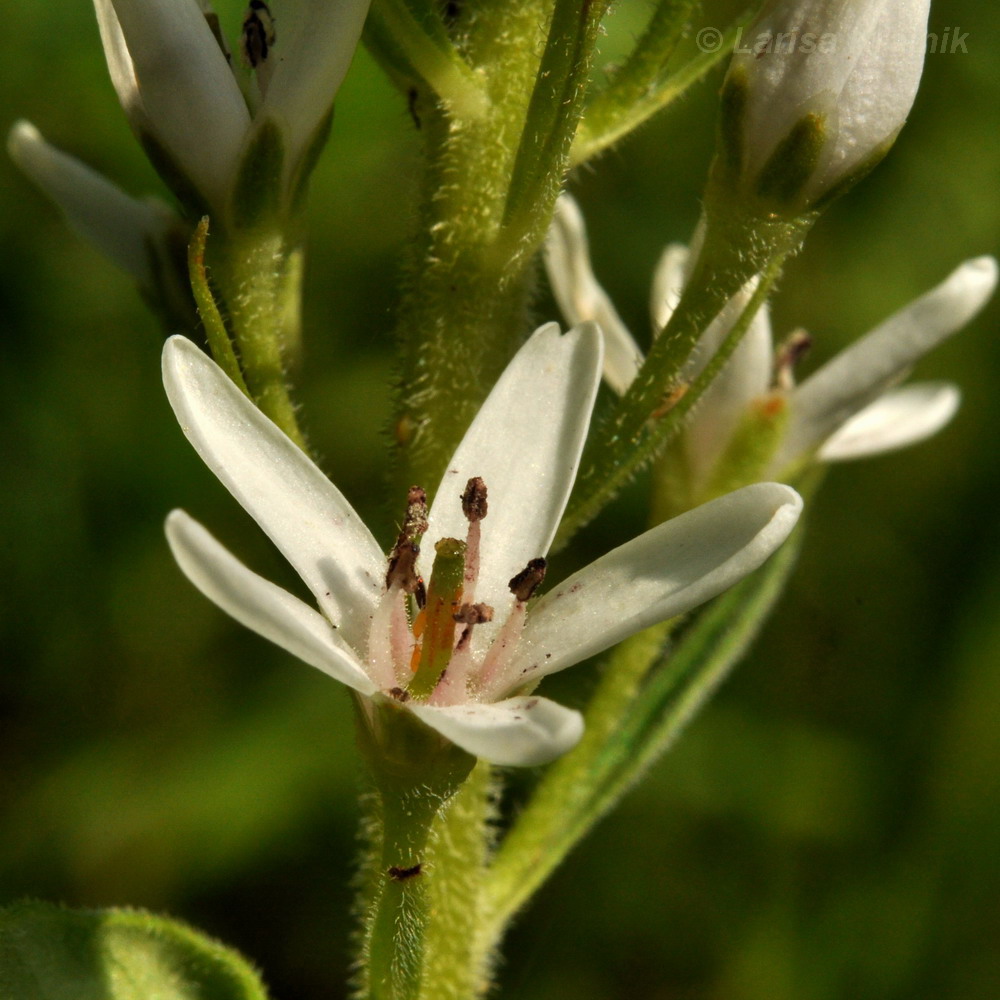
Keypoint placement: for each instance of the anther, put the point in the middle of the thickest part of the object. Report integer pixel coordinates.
(258, 33)
(528, 580)
(791, 352)
(473, 614)
(416, 512)
(402, 571)
(474, 505)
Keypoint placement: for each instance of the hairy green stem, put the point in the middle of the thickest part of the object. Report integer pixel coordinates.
(455, 966)
(653, 410)
(558, 813)
(647, 694)
(423, 47)
(488, 194)
(258, 276)
(415, 773)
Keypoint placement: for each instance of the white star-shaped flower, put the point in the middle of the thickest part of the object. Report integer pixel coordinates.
(443, 627)
(847, 409)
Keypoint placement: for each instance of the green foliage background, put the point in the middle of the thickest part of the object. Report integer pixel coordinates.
(830, 827)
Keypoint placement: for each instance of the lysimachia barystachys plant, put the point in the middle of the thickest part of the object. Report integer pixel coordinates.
(457, 649)
(443, 635)
(849, 408)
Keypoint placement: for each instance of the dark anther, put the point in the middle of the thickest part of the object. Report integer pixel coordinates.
(258, 33)
(473, 614)
(402, 569)
(416, 512)
(528, 580)
(399, 694)
(402, 874)
(474, 505)
(789, 354)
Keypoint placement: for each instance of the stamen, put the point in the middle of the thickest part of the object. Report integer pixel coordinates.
(791, 352)
(452, 687)
(528, 580)
(492, 675)
(389, 639)
(473, 614)
(258, 34)
(402, 571)
(474, 507)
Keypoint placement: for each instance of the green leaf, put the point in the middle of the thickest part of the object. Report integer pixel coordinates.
(654, 684)
(49, 952)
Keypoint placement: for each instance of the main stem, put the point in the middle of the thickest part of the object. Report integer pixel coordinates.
(400, 911)
(464, 310)
(415, 774)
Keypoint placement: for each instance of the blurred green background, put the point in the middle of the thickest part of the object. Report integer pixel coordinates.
(830, 827)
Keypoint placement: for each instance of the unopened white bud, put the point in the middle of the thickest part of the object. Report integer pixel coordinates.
(817, 92)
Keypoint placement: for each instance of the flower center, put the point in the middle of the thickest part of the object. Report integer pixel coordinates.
(421, 636)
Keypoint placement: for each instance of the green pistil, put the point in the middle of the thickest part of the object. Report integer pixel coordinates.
(444, 598)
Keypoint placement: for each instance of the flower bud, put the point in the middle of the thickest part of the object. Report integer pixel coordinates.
(816, 93)
(221, 151)
(143, 237)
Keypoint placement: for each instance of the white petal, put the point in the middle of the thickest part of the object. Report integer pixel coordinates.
(745, 377)
(525, 444)
(189, 94)
(120, 67)
(856, 376)
(315, 43)
(119, 226)
(304, 514)
(260, 605)
(668, 283)
(581, 297)
(896, 420)
(879, 91)
(663, 573)
(518, 732)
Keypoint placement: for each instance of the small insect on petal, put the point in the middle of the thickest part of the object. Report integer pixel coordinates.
(258, 33)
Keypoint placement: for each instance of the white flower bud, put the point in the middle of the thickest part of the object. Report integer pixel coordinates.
(817, 92)
(131, 233)
(180, 86)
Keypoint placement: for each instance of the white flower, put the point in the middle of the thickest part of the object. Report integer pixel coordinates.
(847, 409)
(134, 234)
(468, 677)
(826, 85)
(181, 94)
